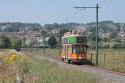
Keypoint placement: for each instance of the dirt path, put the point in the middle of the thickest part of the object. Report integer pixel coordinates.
(101, 76)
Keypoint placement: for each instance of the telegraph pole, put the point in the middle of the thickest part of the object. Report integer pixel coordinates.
(97, 7)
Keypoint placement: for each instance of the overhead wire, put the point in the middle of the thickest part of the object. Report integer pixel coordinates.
(73, 15)
(98, 1)
(101, 1)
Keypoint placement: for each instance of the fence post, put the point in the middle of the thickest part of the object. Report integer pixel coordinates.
(91, 57)
(123, 61)
(18, 79)
(113, 59)
(104, 60)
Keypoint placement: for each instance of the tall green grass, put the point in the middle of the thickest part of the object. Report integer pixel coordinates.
(48, 72)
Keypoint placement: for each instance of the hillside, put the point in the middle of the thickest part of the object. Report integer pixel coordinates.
(17, 26)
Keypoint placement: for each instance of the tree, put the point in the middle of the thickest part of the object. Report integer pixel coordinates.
(5, 42)
(92, 36)
(118, 27)
(17, 45)
(56, 25)
(113, 34)
(64, 31)
(52, 42)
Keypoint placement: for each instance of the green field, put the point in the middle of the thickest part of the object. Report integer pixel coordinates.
(48, 52)
(113, 59)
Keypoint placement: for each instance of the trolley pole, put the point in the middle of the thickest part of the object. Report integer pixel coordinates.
(97, 7)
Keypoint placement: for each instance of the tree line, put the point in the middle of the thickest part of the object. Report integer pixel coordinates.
(7, 43)
(16, 43)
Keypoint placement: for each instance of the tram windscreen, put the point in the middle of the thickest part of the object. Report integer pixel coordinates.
(74, 49)
(79, 49)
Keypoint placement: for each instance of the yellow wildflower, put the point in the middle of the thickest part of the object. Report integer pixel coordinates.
(13, 57)
(1, 56)
(7, 59)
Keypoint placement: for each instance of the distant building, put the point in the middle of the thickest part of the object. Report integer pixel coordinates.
(103, 35)
(122, 33)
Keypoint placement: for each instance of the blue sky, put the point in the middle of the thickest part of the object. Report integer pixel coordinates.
(60, 11)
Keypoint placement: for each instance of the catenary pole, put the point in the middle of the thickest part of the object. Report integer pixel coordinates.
(97, 7)
(97, 34)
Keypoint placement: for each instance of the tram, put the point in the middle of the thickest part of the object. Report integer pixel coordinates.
(74, 47)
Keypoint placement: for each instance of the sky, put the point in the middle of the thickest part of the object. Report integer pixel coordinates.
(60, 11)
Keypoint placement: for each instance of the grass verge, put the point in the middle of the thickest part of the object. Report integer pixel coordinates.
(52, 73)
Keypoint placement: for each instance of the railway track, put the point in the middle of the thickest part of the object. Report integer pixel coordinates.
(105, 75)
(102, 75)
(103, 69)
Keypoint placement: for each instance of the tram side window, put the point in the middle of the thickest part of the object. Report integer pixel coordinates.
(70, 51)
(85, 48)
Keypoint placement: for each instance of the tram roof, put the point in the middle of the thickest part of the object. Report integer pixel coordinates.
(73, 36)
(75, 44)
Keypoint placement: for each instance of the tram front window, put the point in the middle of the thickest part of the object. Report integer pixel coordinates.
(81, 49)
(78, 49)
(74, 49)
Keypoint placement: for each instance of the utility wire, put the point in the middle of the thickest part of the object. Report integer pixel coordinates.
(98, 1)
(73, 15)
(102, 1)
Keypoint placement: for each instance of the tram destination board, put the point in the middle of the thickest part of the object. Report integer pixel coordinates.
(82, 39)
(79, 39)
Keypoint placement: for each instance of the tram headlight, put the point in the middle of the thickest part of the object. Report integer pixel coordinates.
(79, 57)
